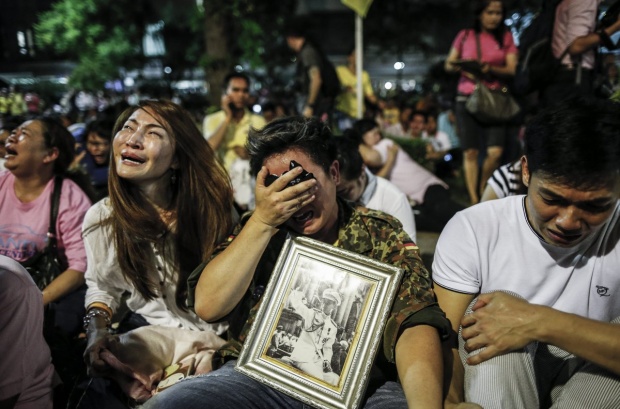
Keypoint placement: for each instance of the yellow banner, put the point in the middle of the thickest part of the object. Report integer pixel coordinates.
(359, 6)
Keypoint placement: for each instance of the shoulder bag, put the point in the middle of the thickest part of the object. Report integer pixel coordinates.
(45, 266)
(491, 106)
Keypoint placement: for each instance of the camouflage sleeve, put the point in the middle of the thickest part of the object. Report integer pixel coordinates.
(415, 302)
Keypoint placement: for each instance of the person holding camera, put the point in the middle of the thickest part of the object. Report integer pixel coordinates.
(575, 39)
(231, 284)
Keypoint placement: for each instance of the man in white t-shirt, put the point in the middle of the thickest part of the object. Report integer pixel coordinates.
(557, 250)
(357, 184)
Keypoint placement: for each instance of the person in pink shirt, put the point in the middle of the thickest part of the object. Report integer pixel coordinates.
(498, 61)
(427, 194)
(36, 152)
(575, 40)
(26, 365)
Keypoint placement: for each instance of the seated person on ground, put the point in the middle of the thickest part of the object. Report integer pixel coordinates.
(426, 192)
(39, 151)
(96, 157)
(440, 149)
(533, 279)
(357, 184)
(505, 181)
(170, 203)
(230, 284)
(27, 371)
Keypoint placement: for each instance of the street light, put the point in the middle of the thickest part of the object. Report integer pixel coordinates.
(399, 66)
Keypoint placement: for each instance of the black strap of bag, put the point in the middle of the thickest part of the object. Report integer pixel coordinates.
(44, 266)
(51, 231)
(479, 54)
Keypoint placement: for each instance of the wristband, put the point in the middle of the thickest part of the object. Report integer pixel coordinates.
(605, 40)
(311, 106)
(96, 312)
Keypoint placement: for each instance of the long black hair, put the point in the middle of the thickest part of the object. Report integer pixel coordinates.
(500, 30)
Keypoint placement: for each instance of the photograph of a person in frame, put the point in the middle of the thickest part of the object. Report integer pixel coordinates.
(313, 351)
(317, 312)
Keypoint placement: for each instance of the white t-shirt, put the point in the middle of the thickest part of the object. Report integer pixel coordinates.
(440, 141)
(381, 194)
(491, 246)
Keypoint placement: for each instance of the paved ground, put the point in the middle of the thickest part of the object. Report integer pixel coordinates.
(427, 242)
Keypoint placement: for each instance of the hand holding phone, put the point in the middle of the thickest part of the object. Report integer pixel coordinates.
(227, 106)
(276, 203)
(301, 178)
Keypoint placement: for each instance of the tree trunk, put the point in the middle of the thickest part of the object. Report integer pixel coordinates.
(217, 48)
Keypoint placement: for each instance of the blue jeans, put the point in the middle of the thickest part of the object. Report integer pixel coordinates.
(226, 388)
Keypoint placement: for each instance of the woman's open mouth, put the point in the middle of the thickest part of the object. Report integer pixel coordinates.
(132, 159)
(9, 151)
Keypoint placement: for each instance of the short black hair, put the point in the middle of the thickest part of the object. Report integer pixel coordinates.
(418, 112)
(576, 143)
(102, 127)
(235, 74)
(297, 26)
(348, 156)
(306, 134)
(361, 126)
(268, 106)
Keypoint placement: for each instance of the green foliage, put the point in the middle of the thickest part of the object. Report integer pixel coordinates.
(255, 30)
(95, 33)
(102, 35)
(415, 148)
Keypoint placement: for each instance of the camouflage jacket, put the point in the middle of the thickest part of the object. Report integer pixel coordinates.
(368, 232)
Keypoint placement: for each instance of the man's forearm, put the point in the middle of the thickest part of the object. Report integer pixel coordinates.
(217, 137)
(420, 366)
(594, 341)
(502, 323)
(589, 41)
(455, 378)
(315, 85)
(227, 277)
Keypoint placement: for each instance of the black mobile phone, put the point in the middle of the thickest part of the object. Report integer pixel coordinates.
(301, 178)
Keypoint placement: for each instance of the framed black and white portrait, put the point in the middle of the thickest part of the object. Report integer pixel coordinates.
(320, 323)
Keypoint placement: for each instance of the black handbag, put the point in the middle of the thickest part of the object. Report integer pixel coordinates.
(491, 106)
(45, 266)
